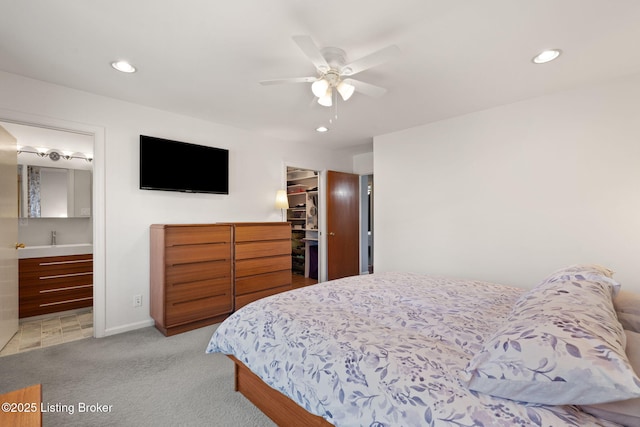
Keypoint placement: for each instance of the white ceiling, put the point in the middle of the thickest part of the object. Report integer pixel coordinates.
(204, 58)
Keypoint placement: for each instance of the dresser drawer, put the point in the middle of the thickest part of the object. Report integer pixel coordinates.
(197, 253)
(247, 233)
(262, 282)
(176, 236)
(242, 300)
(198, 300)
(262, 249)
(185, 292)
(249, 267)
(185, 273)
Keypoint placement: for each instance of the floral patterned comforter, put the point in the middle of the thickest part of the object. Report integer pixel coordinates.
(385, 349)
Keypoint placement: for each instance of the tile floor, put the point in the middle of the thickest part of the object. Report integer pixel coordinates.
(45, 331)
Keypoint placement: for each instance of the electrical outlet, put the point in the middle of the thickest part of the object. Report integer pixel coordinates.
(137, 300)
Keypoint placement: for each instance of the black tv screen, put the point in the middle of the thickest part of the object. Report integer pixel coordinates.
(180, 166)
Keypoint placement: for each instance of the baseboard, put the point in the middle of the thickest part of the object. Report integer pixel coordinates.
(129, 327)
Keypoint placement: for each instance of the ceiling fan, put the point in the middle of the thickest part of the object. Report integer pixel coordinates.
(335, 74)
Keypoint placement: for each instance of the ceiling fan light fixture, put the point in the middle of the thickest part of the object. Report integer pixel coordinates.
(320, 87)
(326, 100)
(345, 90)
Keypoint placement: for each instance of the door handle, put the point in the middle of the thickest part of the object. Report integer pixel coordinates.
(19, 245)
(332, 233)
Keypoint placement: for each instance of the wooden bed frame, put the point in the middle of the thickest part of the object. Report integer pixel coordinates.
(281, 409)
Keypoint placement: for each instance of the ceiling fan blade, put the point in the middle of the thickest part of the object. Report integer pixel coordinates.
(313, 53)
(290, 80)
(369, 61)
(366, 88)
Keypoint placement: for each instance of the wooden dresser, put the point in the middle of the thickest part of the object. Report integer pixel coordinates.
(262, 260)
(191, 275)
(52, 284)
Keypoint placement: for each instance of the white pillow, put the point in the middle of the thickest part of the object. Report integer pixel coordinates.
(562, 344)
(625, 412)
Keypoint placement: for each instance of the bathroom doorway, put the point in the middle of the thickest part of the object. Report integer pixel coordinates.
(89, 321)
(54, 179)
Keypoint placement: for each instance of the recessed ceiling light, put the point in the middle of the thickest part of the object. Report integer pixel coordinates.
(546, 56)
(322, 129)
(123, 66)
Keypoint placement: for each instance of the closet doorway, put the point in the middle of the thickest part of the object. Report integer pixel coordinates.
(304, 216)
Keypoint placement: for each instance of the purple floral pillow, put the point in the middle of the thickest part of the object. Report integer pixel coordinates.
(562, 344)
(625, 412)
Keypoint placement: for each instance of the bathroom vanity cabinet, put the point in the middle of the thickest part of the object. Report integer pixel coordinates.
(55, 283)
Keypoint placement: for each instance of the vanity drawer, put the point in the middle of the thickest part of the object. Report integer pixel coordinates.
(58, 299)
(55, 266)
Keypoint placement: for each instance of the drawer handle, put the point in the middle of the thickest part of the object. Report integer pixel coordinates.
(66, 289)
(199, 299)
(65, 302)
(200, 280)
(66, 262)
(65, 275)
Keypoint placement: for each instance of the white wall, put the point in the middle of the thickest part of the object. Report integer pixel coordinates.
(363, 163)
(256, 172)
(512, 193)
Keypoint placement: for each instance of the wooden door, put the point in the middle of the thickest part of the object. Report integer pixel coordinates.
(8, 237)
(343, 241)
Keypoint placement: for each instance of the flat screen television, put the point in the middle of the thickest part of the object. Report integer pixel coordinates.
(179, 166)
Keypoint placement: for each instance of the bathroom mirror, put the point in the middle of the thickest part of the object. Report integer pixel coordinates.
(45, 192)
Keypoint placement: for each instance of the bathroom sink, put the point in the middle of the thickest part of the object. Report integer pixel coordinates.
(57, 250)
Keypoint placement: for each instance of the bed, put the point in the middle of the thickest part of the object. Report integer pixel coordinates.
(402, 349)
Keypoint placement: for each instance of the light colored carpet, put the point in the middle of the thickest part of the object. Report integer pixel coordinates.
(147, 379)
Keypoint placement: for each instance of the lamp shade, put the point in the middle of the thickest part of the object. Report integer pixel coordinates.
(282, 201)
(345, 90)
(319, 88)
(326, 100)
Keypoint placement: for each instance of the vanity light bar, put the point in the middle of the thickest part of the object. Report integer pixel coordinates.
(54, 154)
